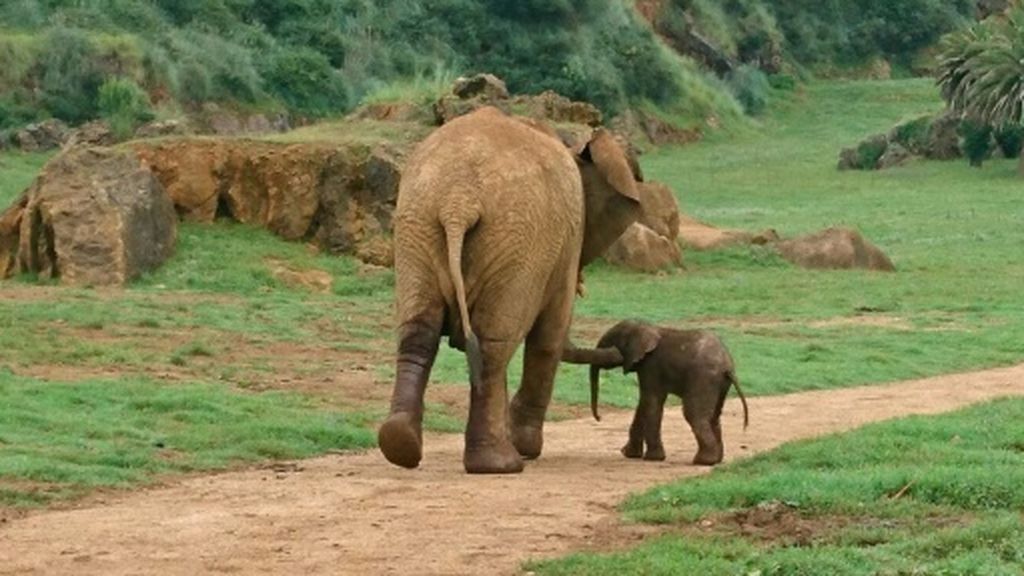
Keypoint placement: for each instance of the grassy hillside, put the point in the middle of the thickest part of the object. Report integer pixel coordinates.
(81, 59)
(318, 57)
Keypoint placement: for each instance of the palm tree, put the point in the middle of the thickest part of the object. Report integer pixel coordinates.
(981, 70)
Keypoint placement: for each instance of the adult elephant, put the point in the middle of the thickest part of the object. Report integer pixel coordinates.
(495, 218)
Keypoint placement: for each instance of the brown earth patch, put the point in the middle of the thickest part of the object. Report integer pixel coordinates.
(356, 514)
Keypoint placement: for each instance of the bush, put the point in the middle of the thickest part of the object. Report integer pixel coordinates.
(305, 80)
(71, 75)
(124, 105)
(785, 82)
(751, 88)
(913, 134)
(1010, 139)
(976, 141)
(870, 151)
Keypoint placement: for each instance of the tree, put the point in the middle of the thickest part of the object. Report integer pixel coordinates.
(981, 70)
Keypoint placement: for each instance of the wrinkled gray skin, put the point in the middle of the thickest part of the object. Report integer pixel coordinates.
(692, 364)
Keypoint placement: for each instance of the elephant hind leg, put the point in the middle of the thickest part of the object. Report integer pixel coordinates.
(400, 437)
(488, 447)
(701, 410)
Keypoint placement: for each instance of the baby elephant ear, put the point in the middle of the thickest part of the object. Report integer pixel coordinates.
(643, 341)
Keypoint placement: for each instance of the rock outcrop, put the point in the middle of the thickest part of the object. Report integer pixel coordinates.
(834, 248)
(94, 216)
(342, 198)
(700, 236)
(40, 136)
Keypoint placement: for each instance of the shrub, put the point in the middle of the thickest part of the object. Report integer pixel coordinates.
(305, 80)
(751, 88)
(15, 112)
(124, 105)
(785, 82)
(71, 75)
(1010, 139)
(913, 134)
(870, 151)
(976, 141)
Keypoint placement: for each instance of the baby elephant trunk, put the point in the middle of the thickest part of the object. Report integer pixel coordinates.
(597, 358)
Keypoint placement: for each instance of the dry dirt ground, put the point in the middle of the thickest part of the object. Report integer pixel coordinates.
(355, 514)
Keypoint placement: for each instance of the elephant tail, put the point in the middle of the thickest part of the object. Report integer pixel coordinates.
(455, 229)
(731, 376)
(595, 385)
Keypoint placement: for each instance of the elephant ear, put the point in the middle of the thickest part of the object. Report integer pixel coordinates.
(643, 339)
(613, 164)
(611, 192)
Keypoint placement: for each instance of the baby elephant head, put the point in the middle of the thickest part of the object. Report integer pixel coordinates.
(634, 339)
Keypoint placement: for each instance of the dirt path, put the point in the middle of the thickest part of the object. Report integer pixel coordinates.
(355, 514)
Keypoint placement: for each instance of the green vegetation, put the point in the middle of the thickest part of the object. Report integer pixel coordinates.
(981, 68)
(820, 35)
(952, 231)
(17, 171)
(58, 440)
(318, 58)
(216, 313)
(321, 58)
(924, 495)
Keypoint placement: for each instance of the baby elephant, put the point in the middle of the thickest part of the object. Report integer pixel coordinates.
(692, 364)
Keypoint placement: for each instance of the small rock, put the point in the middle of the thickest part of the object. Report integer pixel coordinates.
(483, 85)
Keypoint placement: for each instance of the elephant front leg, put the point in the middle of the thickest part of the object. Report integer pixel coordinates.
(488, 448)
(654, 407)
(635, 447)
(400, 437)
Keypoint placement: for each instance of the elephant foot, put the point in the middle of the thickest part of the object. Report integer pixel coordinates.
(528, 441)
(527, 430)
(501, 458)
(632, 451)
(708, 458)
(655, 454)
(400, 440)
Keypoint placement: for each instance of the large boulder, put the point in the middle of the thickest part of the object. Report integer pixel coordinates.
(93, 217)
(659, 210)
(40, 136)
(895, 155)
(644, 250)
(943, 141)
(834, 248)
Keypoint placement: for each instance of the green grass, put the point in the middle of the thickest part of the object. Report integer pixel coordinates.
(58, 440)
(962, 482)
(17, 170)
(954, 232)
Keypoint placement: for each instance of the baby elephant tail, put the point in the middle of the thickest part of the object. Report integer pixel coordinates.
(731, 376)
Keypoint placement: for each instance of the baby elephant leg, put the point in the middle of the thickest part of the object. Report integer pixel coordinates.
(654, 408)
(635, 447)
(702, 410)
